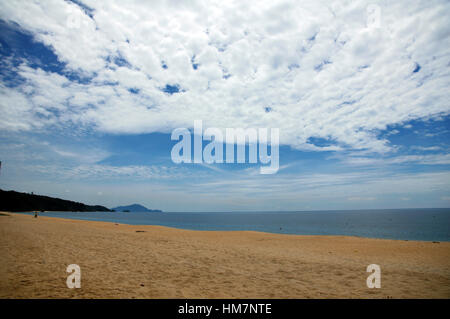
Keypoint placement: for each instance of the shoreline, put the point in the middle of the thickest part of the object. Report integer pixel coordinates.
(257, 231)
(147, 261)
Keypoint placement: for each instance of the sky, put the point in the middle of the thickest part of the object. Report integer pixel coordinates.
(90, 92)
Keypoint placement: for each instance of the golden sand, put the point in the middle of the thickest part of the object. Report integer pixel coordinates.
(123, 261)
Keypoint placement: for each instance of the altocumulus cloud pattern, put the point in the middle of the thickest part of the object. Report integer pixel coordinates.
(317, 70)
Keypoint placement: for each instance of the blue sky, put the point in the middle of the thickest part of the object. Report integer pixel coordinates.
(90, 94)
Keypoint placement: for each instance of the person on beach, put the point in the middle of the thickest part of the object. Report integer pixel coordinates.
(35, 214)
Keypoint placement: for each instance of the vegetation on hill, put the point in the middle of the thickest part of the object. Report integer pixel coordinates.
(20, 202)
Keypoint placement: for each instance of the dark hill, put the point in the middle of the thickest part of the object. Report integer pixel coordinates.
(135, 208)
(20, 202)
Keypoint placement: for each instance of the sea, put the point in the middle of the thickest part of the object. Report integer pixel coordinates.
(431, 224)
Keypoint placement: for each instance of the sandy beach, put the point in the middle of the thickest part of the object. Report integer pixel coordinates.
(123, 261)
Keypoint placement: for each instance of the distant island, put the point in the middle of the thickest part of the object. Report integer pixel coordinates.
(135, 208)
(21, 202)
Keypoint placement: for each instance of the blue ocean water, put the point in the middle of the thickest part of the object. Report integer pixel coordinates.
(405, 224)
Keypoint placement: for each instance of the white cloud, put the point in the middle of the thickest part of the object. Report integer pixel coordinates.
(318, 66)
(427, 148)
(97, 172)
(436, 159)
(86, 156)
(316, 185)
(357, 199)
